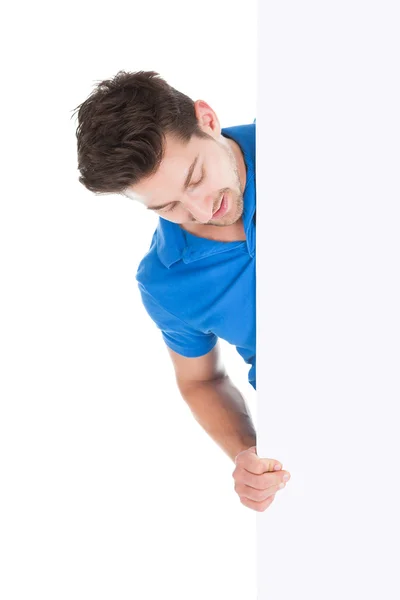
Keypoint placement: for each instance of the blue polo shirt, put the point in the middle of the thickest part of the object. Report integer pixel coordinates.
(197, 290)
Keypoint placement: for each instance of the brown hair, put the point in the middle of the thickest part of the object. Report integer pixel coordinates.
(122, 127)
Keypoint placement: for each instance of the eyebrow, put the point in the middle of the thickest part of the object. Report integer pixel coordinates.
(185, 185)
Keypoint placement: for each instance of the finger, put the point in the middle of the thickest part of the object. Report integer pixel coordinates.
(259, 482)
(258, 495)
(249, 460)
(257, 506)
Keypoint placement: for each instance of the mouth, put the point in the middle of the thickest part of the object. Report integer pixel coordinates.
(223, 207)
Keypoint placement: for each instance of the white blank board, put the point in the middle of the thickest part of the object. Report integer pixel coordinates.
(328, 297)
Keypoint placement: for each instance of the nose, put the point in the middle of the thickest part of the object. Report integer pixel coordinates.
(201, 209)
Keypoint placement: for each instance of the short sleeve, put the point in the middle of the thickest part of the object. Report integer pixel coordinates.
(178, 335)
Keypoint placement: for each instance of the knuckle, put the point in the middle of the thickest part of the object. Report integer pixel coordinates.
(237, 487)
(239, 475)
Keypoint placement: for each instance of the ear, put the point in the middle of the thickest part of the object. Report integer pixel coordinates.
(207, 118)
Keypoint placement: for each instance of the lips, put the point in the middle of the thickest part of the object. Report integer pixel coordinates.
(222, 207)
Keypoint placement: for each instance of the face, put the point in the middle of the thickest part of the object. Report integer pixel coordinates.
(192, 179)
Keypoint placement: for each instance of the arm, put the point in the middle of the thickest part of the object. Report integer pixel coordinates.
(216, 404)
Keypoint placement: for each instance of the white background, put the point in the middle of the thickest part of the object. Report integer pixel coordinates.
(328, 297)
(109, 487)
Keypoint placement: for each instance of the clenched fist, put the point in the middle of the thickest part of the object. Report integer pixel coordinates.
(258, 479)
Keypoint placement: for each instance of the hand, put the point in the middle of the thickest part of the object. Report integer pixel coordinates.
(257, 479)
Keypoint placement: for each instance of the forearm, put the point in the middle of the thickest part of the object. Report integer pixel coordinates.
(221, 410)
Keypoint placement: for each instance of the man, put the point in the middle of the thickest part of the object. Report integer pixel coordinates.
(139, 137)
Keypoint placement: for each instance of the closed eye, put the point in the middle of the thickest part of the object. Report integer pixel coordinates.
(197, 182)
(168, 209)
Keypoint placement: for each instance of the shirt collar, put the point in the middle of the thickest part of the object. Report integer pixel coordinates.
(174, 243)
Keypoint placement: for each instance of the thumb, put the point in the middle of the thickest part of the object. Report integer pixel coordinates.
(257, 464)
(269, 464)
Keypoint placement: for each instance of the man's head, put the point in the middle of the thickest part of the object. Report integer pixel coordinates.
(139, 137)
